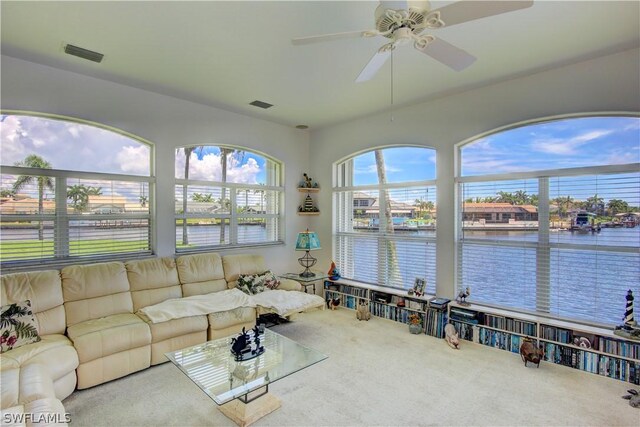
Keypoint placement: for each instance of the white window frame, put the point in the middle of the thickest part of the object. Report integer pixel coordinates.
(343, 189)
(543, 246)
(275, 234)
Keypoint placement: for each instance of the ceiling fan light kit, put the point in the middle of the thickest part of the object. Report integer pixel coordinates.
(404, 21)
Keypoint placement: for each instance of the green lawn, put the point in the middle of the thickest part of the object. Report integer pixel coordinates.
(29, 249)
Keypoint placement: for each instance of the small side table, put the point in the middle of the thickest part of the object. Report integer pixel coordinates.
(306, 281)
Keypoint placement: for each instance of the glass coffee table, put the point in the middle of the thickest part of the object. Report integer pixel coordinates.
(241, 388)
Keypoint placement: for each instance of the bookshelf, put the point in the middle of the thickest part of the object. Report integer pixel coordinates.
(588, 348)
(383, 302)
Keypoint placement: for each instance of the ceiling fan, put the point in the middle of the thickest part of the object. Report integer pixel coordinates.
(404, 21)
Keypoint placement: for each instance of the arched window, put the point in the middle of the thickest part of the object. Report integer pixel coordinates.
(72, 190)
(550, 217)
(226, 196)
(384, 210)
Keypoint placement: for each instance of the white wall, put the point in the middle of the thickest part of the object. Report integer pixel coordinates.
(168, 123)
(606, 84)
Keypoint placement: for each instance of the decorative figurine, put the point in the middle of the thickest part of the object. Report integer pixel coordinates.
(333, 303)
(334, 273)
(462, 296)
(451, 336)
(633, 397)
(246, 345)
(415, 323)
(307, 182)
(362, 312)
(628, 310)
(531, 353)
(629, 328)
(308, 205)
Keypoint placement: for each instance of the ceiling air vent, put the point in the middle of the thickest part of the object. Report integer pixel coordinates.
(83, 53)
(261, 104)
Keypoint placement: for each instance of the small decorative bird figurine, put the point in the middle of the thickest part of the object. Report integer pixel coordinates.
(462, 296)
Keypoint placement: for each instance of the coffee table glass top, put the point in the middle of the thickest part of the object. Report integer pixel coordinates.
(296, 276)
(213, 368)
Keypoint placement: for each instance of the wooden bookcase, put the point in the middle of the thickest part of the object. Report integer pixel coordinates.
(383, 302)
(608, 354)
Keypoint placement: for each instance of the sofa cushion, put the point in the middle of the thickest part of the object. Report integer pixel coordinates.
(35, 383)
(18, 326)
(235, 265)
(199, 267)
(94, 291)
(44, 290)
(153, 281)
(177, 327)
(255, 283)
(10, 390)
(97, 338)
(54, 351)
(228, 318)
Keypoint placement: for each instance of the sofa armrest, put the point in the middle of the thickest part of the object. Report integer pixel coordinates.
(289, 285)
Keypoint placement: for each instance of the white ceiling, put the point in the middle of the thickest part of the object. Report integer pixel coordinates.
(227, 54)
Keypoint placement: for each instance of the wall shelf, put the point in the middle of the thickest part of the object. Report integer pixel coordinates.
(308, 213)
(308, 189)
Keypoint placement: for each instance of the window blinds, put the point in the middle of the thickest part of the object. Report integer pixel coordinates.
(537, 259)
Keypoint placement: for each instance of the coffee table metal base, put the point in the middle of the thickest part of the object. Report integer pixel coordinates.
(245, 414)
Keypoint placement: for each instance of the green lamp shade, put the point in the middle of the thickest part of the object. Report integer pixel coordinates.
(308, 241)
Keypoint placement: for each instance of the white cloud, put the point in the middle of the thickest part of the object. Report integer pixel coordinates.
(134, 160)
(209, 168)
(374, 169)
(567, 146)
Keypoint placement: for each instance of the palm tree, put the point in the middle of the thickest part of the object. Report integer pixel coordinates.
(187, 155)
(34, 161)
(616, 206)
(79, 197)
(392, 255)
(595, 204)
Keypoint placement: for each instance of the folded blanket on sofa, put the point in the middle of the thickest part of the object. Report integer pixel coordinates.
(284, 302)
(197, 305)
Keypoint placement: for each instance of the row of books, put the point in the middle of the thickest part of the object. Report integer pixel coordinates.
(390, 312)
(435, 322)
(501, 340)
(593, 362)
(349, 290)
(465, 330)
(556, 334)
(509, 324)
(347, 301)
(620, 348)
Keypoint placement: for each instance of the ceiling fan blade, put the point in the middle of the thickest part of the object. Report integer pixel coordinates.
(450, 55)
(464, 11)
(328, 37)
(373, 66)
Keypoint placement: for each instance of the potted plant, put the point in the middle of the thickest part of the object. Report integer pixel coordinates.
(415, 323)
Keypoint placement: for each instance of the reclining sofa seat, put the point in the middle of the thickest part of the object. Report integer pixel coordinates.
(202, 274)
(153, 281)
(110, 340)
(29, 390)
(54, 351)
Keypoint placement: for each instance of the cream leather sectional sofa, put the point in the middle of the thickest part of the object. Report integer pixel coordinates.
(90, 332)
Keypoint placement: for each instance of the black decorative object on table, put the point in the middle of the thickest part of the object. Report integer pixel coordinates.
(247, 345)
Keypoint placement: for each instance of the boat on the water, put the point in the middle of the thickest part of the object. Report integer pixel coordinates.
(584, 222)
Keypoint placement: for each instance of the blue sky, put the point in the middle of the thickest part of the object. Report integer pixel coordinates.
(555, 145)
(403, 164)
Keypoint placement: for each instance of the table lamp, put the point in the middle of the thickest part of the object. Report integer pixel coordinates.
(307, 241)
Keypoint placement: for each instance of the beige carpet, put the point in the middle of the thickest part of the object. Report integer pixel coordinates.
(376, 374)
